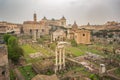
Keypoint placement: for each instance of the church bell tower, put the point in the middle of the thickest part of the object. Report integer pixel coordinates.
(35, 17)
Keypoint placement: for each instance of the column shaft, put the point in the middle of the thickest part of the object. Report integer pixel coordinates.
(60, 58)
(34, 35)
(56, 60)
(63, 57)
(56, 57)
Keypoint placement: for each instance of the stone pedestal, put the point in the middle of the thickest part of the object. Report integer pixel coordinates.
(102, 69)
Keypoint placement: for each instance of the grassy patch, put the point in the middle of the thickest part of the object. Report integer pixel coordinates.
(81, 70)
(28, 49)
(75, 51)
(27, 72)
(53, 46)
(33, 48)
(91, 48)
(32, 60)
(43, 50)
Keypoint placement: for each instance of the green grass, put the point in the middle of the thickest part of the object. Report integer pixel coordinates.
(91, 48)
(32, 60)
(33, 48)
(27, 72)
(43, 50)
(75, 51)
(28, 49)
(79, 69)
(53, 46)
(82, 49)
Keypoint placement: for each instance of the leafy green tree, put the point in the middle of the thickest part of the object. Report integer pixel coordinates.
(12, 41)
(6, 37)
(14, 51)
(13, 54)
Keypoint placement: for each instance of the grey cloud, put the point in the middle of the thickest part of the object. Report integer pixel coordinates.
(83, 11)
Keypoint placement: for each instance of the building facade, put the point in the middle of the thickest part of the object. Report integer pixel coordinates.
(81, 36)
(6, 27)
(33, 28)
(58, 35)
(42, 27)
(54, 22)
(109, 25)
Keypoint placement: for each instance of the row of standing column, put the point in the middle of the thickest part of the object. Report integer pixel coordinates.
(36, 34)
(60, 59)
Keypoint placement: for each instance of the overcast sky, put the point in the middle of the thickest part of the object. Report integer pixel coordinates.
(81, 11)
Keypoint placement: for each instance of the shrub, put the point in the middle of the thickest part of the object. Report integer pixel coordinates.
(6, 37)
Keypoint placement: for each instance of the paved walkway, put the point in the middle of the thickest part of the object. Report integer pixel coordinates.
(19, 75)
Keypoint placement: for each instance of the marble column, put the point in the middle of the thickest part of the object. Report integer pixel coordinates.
(51, 38)
(63, 57)
(60, 59)
(56, 61)
(34, 35)
(38, 34)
